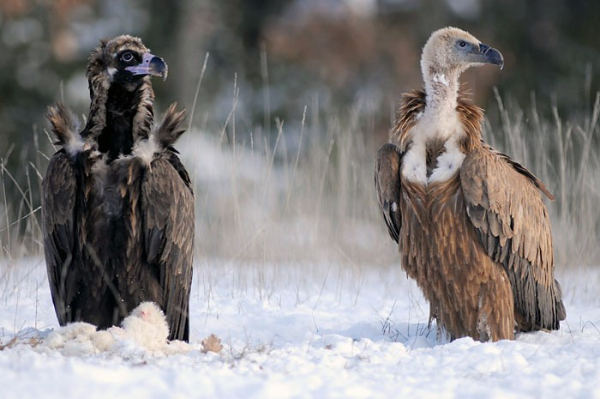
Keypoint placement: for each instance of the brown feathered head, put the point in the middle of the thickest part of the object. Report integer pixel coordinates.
(451, 50)
(123, 60)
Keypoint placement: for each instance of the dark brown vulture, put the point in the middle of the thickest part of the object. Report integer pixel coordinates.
(118, 207)
(470, 222)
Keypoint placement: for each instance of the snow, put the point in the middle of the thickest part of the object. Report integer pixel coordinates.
(145, 329)
(300, 331)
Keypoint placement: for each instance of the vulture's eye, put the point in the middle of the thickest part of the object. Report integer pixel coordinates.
(127, 57)
(462, 44)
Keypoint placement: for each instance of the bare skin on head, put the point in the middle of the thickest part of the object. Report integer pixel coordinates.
(470, 222)
(446, 55)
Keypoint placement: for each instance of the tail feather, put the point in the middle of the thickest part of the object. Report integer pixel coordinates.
(561, 312)
(171, 127)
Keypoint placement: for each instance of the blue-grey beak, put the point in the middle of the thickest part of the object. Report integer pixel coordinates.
(489, 55)
(150, 65)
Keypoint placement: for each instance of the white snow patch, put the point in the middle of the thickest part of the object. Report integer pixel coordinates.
(145, 329)
(301, 331)
(212, 161)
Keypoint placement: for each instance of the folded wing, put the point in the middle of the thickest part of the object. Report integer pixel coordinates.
(504, 203)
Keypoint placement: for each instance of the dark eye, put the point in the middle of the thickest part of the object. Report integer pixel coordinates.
(127, 57)
(462, 44)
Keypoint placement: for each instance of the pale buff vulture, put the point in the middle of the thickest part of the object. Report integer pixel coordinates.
(470, 222)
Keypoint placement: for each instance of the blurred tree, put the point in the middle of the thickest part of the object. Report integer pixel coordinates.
(286, 54)
(28, 83)
(44, 46)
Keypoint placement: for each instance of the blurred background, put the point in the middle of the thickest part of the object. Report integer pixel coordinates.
(288, 101)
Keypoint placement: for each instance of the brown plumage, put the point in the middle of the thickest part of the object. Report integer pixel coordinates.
(118, 208)
(470, 222)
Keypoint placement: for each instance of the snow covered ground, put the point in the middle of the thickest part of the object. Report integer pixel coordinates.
(302, 331)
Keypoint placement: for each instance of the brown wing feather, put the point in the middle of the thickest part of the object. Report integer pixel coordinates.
(505, 205)
(59, 190)
(411, 105)
(389, 161)
(168, 213)
(387, 184)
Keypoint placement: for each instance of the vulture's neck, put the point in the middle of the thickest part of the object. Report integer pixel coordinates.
(435, 153)
(439, 121)
(117, 136)
(441, 89)
(119, 118)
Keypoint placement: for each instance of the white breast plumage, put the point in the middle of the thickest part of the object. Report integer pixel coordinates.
(429, 129)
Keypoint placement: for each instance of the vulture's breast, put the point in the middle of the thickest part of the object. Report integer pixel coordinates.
(437, 229)
(105, 197)
(112, 211)
(441, 251)
(437, 232)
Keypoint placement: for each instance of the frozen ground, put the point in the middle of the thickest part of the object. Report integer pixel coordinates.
(302, 331)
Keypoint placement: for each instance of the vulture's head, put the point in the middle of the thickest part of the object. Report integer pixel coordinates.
(125, 61)
(451, 50)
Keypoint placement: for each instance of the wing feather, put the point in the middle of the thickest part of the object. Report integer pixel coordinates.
(504, 203)
(388, 186)
(59, 191)
(168, 212)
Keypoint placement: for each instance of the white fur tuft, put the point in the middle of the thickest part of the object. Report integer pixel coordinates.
(147, 325)
(447, 164)
(74, 145)
(146, 149)
(414, 167)
(441, 78)
(145, 329)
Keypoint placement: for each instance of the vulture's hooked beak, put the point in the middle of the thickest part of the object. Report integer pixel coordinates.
(489, 55)
(150, 65)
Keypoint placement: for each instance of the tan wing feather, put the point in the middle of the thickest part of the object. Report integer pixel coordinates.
(505, 205)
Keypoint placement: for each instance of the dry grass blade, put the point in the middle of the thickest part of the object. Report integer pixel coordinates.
(11, 343)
